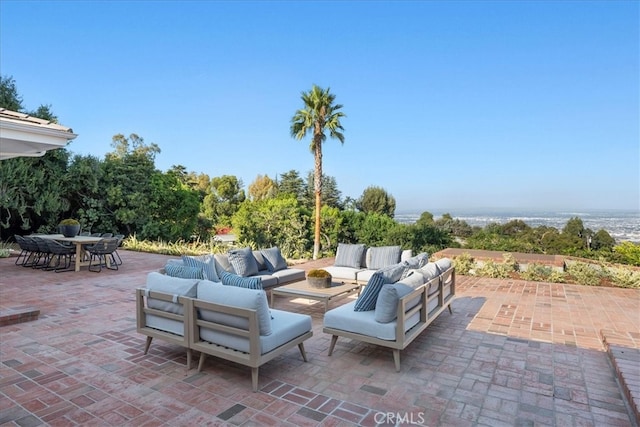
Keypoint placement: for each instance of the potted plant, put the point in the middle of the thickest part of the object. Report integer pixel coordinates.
(318, 278)
(69, 227)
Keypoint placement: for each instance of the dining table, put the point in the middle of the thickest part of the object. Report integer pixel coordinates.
(79, 241)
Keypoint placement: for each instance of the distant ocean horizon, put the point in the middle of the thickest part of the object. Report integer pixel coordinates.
(620, 224)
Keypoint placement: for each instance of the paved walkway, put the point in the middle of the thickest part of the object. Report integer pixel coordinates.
(512, 353)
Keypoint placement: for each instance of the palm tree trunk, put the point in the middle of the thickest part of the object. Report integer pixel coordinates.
(316, 239)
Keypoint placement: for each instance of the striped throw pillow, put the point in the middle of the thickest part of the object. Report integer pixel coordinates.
(367, 299)
(182, 271)
(229, 279)
(349, 255)
(206, 262)
(382, 256)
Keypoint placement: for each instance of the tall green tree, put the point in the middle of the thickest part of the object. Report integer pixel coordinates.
(377, 200)
(318, 115)
(9, 96)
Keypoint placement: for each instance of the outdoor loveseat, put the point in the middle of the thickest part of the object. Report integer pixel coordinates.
(391, 312)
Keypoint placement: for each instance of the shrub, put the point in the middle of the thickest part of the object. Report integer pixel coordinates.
(494, 270)
(586, 274)
(542, 273)
(464, 264)
(625, 277)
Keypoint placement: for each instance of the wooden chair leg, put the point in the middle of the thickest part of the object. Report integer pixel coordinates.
(254, 378)
(396, 359)
(188, 359)
(203, 356)
(450, 311)
(147, 344)
(334, 339)
(302, 352)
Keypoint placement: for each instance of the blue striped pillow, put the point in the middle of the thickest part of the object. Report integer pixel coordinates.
(182, 271)
(206, 262)
(349, 255)
(382, 256)
(367, 299)
(230, 279)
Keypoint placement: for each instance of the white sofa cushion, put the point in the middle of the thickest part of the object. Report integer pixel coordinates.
(235, 297)
(343, 273)
(364, 322)
(349, 255)
(382, 256)
(289, 275)
(285, 327)
(429, 271)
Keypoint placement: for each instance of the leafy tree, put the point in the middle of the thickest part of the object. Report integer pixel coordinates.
(85, 183)
(426, 218)
(629, 251)
(290, 183)
(377, 200)
(458, 227)
(9, 96)
(262, 188)
(602, 240)
(318, 115)
(224, 197)
(374, 229)
(278, 222)
(330, 193)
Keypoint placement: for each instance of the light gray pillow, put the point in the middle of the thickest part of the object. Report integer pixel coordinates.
(349, 255)
(369, 296)
(243, 262)
(235, 297)
(413, 278)
(443, 265)
(170, 285)
(382, 256)
(430, 271)
(387, 304)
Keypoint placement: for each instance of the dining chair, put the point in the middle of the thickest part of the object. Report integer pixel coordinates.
(102, 252)
(60, 252)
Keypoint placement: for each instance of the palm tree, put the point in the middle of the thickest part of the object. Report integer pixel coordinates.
(319, 114)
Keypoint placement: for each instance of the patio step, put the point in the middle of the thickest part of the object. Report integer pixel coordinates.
(11, 316)
(625, 358)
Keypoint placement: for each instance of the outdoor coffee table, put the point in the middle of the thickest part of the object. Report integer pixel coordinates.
(304, 290)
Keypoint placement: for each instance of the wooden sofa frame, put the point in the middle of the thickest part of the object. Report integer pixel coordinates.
(191, 339)
(141, 325)
(403, 339)
(254, 359)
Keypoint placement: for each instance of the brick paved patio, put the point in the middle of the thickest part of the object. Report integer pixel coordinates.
(512, 353)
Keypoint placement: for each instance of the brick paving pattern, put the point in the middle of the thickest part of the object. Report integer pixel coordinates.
(512, 353)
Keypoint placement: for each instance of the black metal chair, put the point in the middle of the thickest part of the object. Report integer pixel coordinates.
(100, 251)
(120, 238)
(25, 250)
(60, 252)
(43, 256)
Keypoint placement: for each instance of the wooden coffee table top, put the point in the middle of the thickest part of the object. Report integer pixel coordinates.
(303, 289)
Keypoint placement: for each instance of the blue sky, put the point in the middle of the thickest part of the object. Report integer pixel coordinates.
(450, 105)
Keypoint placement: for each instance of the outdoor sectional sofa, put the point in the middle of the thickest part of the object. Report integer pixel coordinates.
(225, 321)
(356, 263)
(398, 311)
(266, 264)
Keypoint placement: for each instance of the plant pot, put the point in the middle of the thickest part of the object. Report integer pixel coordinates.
(69, 230)
(319, 282)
